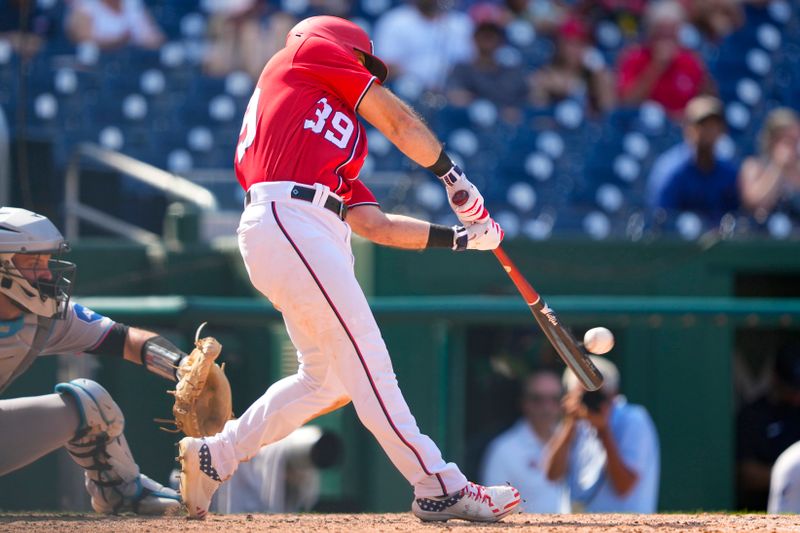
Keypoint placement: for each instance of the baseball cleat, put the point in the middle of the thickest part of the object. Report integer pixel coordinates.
(474, 502)
(199, 479)
(141, 496)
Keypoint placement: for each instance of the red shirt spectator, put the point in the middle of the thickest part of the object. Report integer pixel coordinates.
(683, 78)
(661, 69)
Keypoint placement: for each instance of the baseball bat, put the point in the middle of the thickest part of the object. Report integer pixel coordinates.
(562, 340)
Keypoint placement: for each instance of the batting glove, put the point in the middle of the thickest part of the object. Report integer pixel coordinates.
(483, 236)
(465, 199)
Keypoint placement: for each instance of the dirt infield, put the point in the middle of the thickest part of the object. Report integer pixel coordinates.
(345, 523)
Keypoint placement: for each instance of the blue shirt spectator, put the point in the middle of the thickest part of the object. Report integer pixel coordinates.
(607, 450)
(636, 438)
(703, 182)
(711, 192)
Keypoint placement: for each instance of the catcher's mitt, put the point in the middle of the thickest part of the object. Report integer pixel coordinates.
(203, 394)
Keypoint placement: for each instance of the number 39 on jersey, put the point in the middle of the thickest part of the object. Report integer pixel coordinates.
(338, 130)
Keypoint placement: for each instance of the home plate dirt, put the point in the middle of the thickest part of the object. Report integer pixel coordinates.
(346, 523)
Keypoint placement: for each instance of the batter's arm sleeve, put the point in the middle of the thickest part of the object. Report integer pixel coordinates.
(400, 124)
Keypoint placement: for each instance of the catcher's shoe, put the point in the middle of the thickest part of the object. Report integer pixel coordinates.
(141, 496)
(199, 479)
(474, 502)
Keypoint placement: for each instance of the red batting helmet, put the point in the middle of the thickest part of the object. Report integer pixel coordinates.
(342, 32)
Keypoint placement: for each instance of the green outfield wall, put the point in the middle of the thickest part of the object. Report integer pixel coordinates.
(459, 337)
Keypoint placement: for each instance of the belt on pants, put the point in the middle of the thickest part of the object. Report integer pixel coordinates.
(305, 193)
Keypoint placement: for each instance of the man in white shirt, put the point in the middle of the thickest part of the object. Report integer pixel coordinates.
(420, 42)
(515, 456)
(607, 450)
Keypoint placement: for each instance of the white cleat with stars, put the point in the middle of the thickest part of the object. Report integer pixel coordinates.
(199, 479)
(474, 502)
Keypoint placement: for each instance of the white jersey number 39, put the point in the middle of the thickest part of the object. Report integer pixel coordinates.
(339, 133)
(341, 127)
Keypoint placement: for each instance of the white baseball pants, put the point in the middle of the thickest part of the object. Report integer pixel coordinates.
(298, 255)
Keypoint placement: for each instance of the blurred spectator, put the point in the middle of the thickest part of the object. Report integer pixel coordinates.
(784, 485)
(704, 184)
(515, 456)
(546, 16)
(112, 24)
(237, 40)
(625, 14)
(771, 180)
(575, 72)
(484, 77)
(606, 449)
(716, 19)
(660, 69)
(420, 43)
(767, 427)
(24, 24)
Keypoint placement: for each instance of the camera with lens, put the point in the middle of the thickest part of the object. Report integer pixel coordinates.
(593, 400)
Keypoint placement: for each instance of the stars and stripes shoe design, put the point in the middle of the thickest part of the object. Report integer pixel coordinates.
(474, 502)
(199, 478)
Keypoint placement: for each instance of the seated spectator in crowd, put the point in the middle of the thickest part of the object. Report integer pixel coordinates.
(237, 39)
(515, 456)
(420, 42)
(704, 184)
(625, 14)
(546, 16)
(607, 450)
(771, 180)
(112, 24)
(767, 427)
(660, 69)
(484, 77)
(784, 484)
(25, 25)
(574, 72)
(715, 19)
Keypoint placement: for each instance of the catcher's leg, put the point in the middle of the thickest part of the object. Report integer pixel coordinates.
(33, 427)
(113, 479)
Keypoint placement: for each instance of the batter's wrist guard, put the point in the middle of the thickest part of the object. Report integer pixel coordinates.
(161, 357)
(442, 165)
(460, 238)
(444, 237)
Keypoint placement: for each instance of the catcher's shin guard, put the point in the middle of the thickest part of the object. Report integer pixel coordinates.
(113, 479)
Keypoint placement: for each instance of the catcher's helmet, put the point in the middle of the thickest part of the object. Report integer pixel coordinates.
(342, 32)
(25, 232)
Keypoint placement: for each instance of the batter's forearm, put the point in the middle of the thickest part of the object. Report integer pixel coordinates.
(401, 125)
(389, 230)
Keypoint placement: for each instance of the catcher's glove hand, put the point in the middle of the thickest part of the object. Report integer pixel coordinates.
(203, 395)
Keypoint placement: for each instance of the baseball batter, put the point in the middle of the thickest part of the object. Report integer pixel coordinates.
(38, 318)
(299, 155)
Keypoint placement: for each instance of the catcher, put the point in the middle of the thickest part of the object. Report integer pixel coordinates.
(38, 318)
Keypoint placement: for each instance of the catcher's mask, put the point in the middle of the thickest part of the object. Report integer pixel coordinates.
(344, 33)
(33, 285)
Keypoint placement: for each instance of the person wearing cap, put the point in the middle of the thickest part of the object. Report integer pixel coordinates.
(661, 69)
(704, 183)
(607, 449)
(767, 427)
(299, 159)
(576, 72)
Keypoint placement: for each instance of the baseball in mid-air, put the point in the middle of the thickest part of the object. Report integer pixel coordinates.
(598, 340)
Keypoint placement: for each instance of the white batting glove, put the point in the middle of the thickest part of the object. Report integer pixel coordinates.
(465, 199)
(483, 236)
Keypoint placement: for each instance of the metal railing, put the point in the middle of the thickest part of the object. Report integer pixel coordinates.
(170, 184)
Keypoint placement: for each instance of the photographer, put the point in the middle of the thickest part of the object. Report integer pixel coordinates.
(606, 449)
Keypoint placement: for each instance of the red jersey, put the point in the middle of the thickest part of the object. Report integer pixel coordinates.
(301, 124)
(680, 82)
